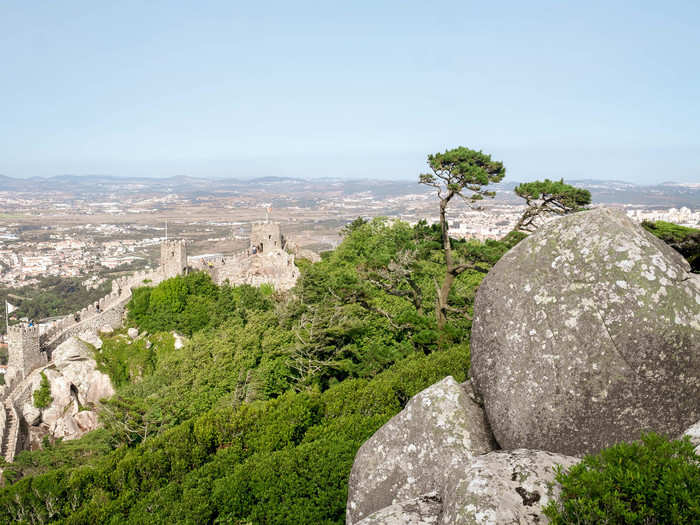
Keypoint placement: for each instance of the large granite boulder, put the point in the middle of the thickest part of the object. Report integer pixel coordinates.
(585, 334)
(503, 487)
(440, 430)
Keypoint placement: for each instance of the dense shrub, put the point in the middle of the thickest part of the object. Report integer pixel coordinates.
(42, 395)
(653, 481)
(192, 303)
(285, 460)
(681, 238)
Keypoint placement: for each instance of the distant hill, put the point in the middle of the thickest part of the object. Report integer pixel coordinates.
(665, 194)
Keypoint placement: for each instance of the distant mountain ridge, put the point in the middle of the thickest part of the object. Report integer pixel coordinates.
(664, 194)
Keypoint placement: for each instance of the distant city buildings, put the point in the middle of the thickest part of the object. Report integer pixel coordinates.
(74, 235)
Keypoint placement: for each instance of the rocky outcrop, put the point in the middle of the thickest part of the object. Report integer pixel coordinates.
(434, 464)
(76, 389)
(504, 487)
(439, 431)
(585, 334)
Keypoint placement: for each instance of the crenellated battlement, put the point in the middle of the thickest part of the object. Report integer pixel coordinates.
(22, 331)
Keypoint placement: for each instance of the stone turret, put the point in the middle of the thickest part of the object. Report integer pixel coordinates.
(24, 349)
(173, 258)
(266, 236)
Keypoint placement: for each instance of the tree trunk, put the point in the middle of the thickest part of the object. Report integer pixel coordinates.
(444, 291)
(443, 294)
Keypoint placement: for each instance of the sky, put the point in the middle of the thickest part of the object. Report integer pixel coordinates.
(361, 89)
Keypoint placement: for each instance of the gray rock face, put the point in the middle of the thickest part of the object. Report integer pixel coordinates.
(440, 430)
(424, 510)
(585, 334)
(503, 487)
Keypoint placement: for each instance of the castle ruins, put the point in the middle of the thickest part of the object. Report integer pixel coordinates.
(30, 347)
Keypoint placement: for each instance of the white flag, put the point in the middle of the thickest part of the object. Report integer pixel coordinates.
(10, 308)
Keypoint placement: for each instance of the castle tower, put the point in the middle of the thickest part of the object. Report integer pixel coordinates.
(266, 236)
(173, 258)
(23, 348)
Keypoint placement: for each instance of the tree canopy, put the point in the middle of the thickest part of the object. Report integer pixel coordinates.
(549, 198)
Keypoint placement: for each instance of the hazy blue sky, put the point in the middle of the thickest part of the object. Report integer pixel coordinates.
(358, 89)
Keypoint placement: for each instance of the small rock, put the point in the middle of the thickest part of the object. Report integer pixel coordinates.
(179, 341)
(503, 487)
(106, 329)
(133, 332)
(424, 510)
(91, 337)
(439, 431)
(148, 344)
(32, 414)
(694, 434)
(85, 420)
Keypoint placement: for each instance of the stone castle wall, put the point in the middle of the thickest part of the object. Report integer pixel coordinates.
(275, 267)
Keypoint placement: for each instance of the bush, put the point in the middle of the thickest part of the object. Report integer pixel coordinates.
(655, 481)
(684, 240)
(42, 396)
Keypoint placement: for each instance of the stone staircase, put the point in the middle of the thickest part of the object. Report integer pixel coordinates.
(9, 439)
(9, 422)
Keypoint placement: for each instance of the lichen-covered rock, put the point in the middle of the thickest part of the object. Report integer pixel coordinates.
(439, 430)
(503, 487)
(424, 510)
(694, 434)
(586, 334)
